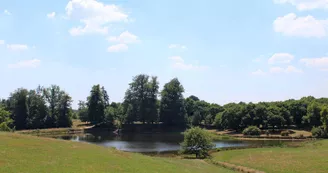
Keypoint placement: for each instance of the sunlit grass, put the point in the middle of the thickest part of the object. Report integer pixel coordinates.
(29, 154)
(312, 157)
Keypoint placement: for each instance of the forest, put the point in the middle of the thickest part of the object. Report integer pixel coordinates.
(144, 103)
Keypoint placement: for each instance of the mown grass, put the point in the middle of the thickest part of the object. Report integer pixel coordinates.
(30, 154)
(311, 157)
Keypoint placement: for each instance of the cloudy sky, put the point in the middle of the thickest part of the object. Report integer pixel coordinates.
(221, 51)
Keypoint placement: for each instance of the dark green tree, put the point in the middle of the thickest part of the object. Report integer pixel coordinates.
(37, 109)
(65, 111)
(20, 108)
(313, 117)
(52, 96)
(96, 105)
(172, 108)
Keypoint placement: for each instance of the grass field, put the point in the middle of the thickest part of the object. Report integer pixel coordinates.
(311, 157)
(23, 153)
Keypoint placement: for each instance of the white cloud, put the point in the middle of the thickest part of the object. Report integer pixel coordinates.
(95, 16)
(291, 25)
(305, 4)
(178, 63)
(118, 48)
(321, 63)
(177, 46)
(292, 69)
(280, 58)
(258, 72)
(17, 47)
(51, 15)
(176, 58)
(26, 64)
(6, 12)
(289, 69)
(276, 70)
(2, 42)
(125, 37)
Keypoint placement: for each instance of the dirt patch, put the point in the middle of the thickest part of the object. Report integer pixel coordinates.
(236, 167)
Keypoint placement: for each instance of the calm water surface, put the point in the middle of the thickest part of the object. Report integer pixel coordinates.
(144, 142)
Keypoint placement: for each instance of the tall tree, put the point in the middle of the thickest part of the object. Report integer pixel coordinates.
(65, 111)
(324, 118)
(172, 108)
(82, 111)
(37, 109)
(151, 103)
(313, 114)
(96, 105)
(20, 108)
(53, 96)
(141, 99)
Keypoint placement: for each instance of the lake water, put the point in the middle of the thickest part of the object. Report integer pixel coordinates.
(144, 142)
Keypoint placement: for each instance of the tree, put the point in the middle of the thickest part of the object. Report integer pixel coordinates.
(297, 110)
(196, 119)
(37, 109)
(324, 118)
(5, 120)
(260, 116)
(209, 119)
(141, 99)
(194, 98)
(82, 111)
(275, 118)
(96, 105)
(151, 101)
(65, 111)
(53, 96)
(313, 115)
(197, 141)
(190, 106)
(172, 108)
(20, 108)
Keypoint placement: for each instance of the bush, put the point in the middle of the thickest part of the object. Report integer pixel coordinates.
(197, 141)
(252, 131)
(318, 132)
(4, 127)
(284, 133)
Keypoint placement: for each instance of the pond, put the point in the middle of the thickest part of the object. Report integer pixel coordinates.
(143, 143)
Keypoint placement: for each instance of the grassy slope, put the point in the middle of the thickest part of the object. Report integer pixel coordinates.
(312, 157)
(22, 153)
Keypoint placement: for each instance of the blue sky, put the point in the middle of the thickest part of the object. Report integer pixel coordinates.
(221, 51)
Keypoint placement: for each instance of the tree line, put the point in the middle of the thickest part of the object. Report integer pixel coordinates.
(36, 109)
(144, 103)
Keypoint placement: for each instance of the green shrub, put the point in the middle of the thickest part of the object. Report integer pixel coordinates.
(318, 132)
(284, 133)
(252, 131)
(197, 141)
(4, 127)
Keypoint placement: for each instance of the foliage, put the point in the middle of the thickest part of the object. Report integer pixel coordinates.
(82, 111)
(319, 132)
(197, 141)
(252, 131)
(172, 107)
(97, 103)
(140, 101)
(284, 133)
(39, 108)
(5, 120)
